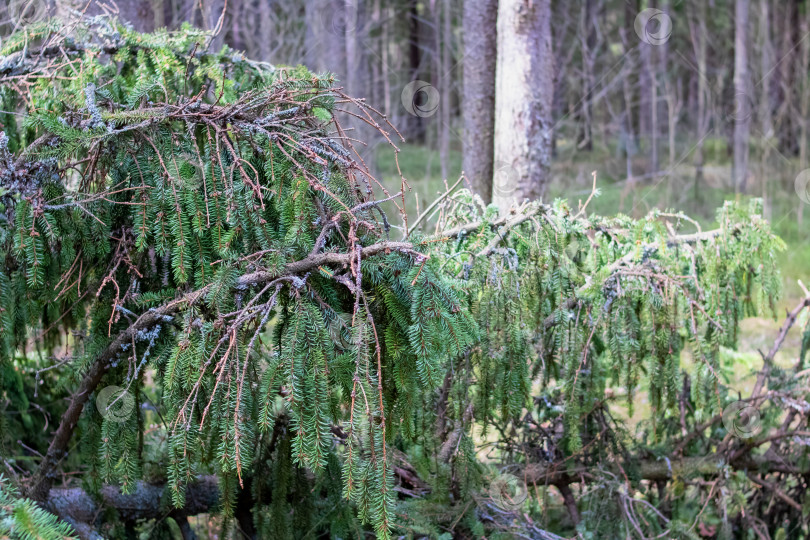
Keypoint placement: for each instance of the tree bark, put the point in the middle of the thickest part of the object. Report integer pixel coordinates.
(479, 94)
(741, 96)
(357, 78)
(147, 501)
(412, 126)
(662, 469)
(523, 101)
(788, 74)
(630, 114)
(443, 41)
(648, 81)
(805, 111)
(588, 37)
(697, 30)
(214, 21)
(766, 67)
(313, 13)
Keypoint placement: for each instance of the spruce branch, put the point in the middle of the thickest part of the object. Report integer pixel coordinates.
(44, 478)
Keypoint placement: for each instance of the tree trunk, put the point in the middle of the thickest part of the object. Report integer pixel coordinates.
(588, 44)
(741, 96)
(662, 469)
(313, 11)
(523, 99)
(629, 116)
(765, 110)
(364, 136)
(141, 14)
(766, 67)
(412, 126)
(697, 29)
(443, 41)
(788, 74)
(805, 110)
(649, 102)
(669, 86)
(215, 20)
(479, 94)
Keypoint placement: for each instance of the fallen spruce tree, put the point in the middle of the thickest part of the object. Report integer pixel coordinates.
(204, 309)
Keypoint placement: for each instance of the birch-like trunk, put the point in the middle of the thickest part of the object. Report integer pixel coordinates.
(741, 91)
(523, 100)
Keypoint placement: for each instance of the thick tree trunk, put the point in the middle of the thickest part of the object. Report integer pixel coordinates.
(479, 94)
(147, 501)
(741, 96)
(523, 100)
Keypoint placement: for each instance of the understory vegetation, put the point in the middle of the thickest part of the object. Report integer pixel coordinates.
(205, 309)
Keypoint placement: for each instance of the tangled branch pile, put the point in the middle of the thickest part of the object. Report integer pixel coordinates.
(197, 229)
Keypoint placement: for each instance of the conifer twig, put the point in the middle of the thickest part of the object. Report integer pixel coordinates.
(435, 203)
(43, 479)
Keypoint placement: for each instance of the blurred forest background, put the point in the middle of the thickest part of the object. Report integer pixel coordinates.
(675, 104)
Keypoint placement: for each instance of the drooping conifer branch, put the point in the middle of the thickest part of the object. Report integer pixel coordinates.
(162, 314)
(197, 229)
